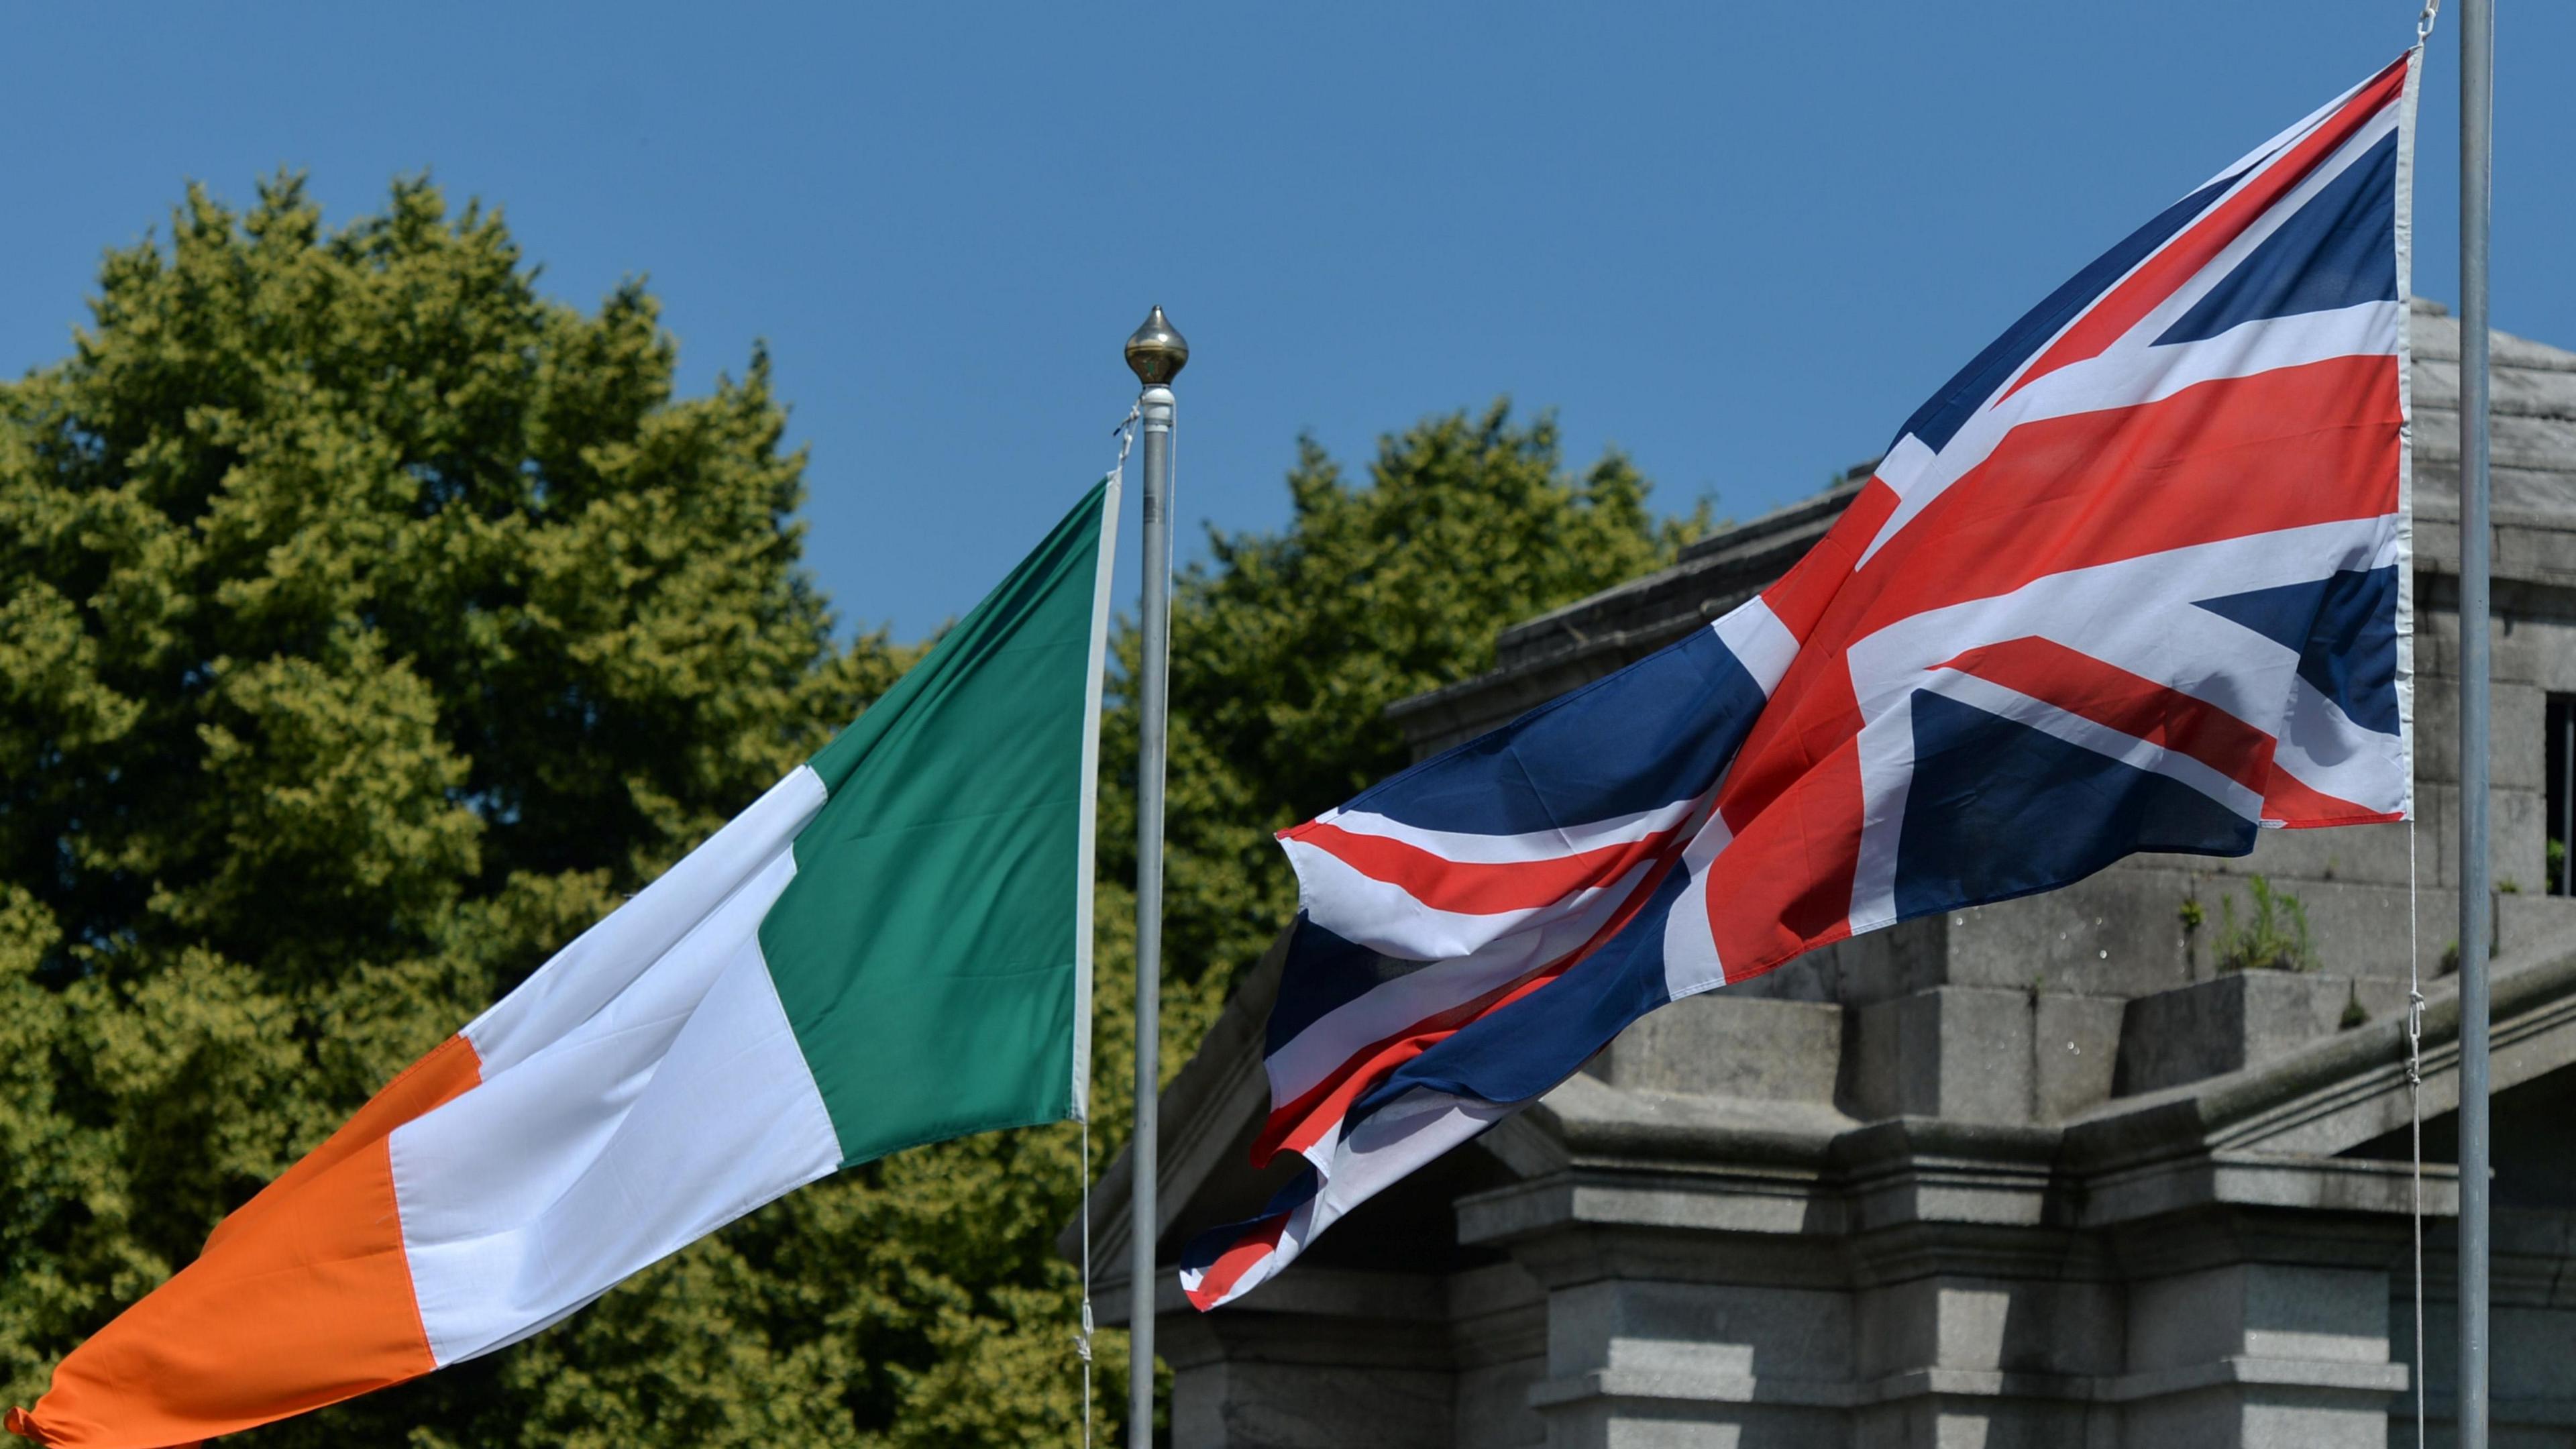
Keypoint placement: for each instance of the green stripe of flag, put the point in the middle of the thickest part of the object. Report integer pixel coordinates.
(933, 952)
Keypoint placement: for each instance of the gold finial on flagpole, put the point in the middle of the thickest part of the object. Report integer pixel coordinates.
(1157, 351)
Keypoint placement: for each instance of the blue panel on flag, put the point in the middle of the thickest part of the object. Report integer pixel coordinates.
(1330, 971)
(1981, 781)
(2345, 629)
(1651, 734)
(2351, 653)
(2339, 250)
(2282, 615)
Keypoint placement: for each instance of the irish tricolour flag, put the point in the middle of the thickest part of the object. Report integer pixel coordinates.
(891, 947)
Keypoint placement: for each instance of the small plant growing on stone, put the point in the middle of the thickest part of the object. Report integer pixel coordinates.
(2191, 916)
(2353, 1014)
(2275, 939)
(2555, 870)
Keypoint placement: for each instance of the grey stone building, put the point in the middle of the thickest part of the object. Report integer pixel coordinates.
(2036, 1174)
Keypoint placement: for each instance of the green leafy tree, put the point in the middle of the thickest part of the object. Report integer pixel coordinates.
(370, 624)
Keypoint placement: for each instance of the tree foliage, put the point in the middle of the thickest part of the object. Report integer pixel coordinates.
(370, 623)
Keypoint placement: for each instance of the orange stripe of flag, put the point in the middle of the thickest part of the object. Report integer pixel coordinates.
(301, 1298)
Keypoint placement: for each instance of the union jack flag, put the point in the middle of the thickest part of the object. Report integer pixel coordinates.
(2135, 579)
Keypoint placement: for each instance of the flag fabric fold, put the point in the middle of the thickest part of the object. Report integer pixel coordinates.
(890, 947)
(2137, 578)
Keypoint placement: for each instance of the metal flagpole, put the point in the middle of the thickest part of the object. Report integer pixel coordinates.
(1157, 353)
(2477, 76)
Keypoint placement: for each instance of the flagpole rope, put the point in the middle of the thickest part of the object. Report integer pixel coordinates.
(1126, 434)
(1082, 1337)
(2415, 999)
(2415, 1089)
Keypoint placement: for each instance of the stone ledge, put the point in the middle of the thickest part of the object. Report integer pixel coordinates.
(2240, 1019)
(1725, 1386)
(2293, 1373)
(2269, 1179)
(1715, 1387)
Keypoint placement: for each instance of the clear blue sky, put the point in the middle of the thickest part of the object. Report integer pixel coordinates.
(1740, 242)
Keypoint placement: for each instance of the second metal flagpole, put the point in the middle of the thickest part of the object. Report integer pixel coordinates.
(2477, 150)
(1157, 353)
